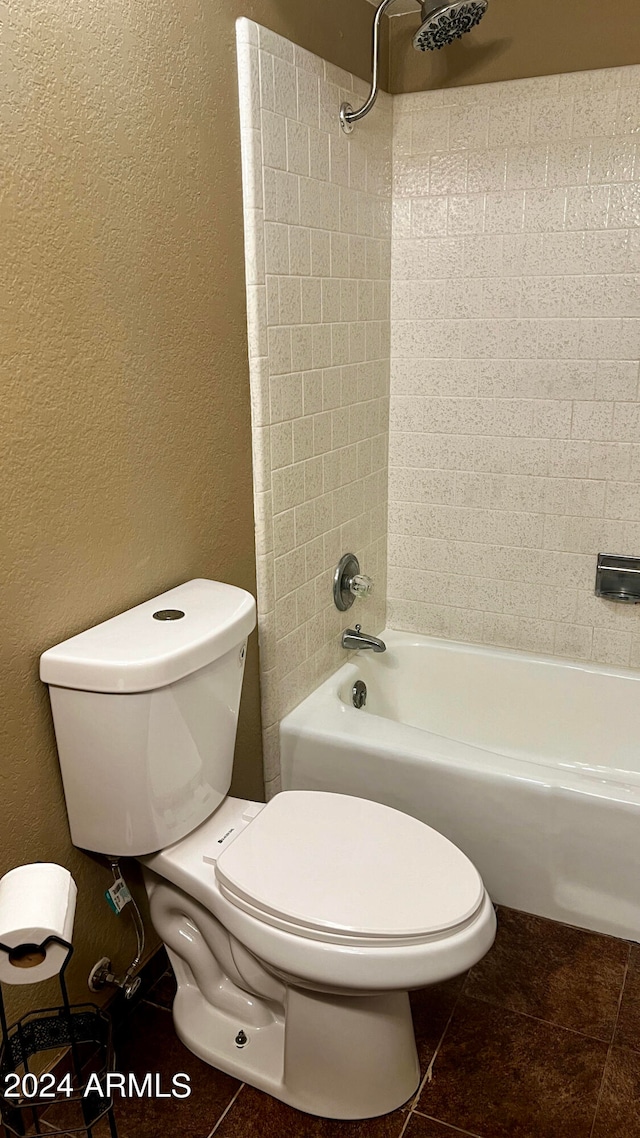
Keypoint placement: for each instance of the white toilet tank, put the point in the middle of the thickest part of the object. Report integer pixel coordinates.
(145, 710)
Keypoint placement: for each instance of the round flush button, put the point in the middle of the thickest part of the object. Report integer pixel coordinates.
(168, 614)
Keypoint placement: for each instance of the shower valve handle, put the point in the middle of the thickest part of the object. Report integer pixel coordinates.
(349, 582)
(361, 585)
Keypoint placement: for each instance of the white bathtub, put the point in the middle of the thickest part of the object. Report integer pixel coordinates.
(530, 764)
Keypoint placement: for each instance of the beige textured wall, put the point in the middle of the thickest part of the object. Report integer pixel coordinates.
(125, 419)
(518, 39)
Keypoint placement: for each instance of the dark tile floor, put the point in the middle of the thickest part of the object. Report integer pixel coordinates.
(539, 1040)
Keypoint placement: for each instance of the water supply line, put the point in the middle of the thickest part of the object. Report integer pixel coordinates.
(102, 974)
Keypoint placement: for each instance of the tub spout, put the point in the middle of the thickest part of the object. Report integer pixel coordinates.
(354, 638)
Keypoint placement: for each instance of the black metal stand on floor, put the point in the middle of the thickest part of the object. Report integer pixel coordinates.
(84, 1032)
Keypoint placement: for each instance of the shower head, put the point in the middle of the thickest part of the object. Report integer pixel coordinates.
(441, 25)
(447, 22)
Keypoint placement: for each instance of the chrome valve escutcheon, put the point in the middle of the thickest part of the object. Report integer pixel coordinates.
(349, 582)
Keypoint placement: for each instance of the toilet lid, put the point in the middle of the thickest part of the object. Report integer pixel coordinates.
(334, 867)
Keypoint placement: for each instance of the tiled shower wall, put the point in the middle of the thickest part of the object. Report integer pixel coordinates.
(515, 412)
(317, 234)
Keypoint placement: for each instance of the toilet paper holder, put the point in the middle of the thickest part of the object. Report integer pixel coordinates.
(64, 1026)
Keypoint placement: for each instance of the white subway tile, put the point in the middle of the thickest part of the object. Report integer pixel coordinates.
(626, 422)
(274, 140)
(468, 127)
(276, 248)
(509, 124)
(460, 302)
(610, 460)
(465, 214)
(486, 170)
(544, 210)
(285, 86)
(541, 296)
(551, 418)
(267, 94)
(581, 535)
(558, 339)
(585, 498)
(629, 76)
(299, 251)
(587, 207)
(611, 647)
(429, 217)
(606, 252)
(504, 213)
(592, 420)
(410, 176)
(623, 501)
(628, 118)
(612, 160)
(297, 147)
(301, 349)
(563, 253)
(624, 208)
(594, 115)
(553, 379)
(569, 164)
(411, 299)
(573, 641)
(604, 340)
(319, 156)
(587, 82)
(522, 254)
(570, 458)
(526, 167)
(448, 173)
(617, 379)
(551, 118)
(430, 130)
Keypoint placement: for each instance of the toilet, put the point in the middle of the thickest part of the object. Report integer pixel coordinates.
(297, 928)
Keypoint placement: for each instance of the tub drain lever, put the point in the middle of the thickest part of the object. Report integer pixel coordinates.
(359, 694)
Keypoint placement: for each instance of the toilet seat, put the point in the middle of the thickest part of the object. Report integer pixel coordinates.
(189, 866)
(348, 871)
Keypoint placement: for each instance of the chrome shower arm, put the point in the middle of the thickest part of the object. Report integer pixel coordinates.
(347, 114)
(441, 25)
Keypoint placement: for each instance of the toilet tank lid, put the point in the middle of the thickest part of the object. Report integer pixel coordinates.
(137, 651)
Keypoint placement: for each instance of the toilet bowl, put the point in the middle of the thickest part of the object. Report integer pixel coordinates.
(297, 928)
(314, 955)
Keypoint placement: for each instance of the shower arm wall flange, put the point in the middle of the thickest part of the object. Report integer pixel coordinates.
(347, 114)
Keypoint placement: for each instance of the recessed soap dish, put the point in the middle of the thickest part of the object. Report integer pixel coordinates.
(618, 578)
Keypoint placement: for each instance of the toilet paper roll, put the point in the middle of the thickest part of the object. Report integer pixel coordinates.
(36, 901)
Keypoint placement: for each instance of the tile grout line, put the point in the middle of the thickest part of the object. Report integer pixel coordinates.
(429, 1070)
(405, 1125)
(537, 1019)
(226, 1110)
(454, 1129)
(610, 1047)
(413, 1109)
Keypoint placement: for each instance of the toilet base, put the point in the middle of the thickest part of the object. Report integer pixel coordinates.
(333, 1054)
(337, 1057)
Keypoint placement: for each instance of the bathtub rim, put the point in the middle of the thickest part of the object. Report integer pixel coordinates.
(325, 715)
